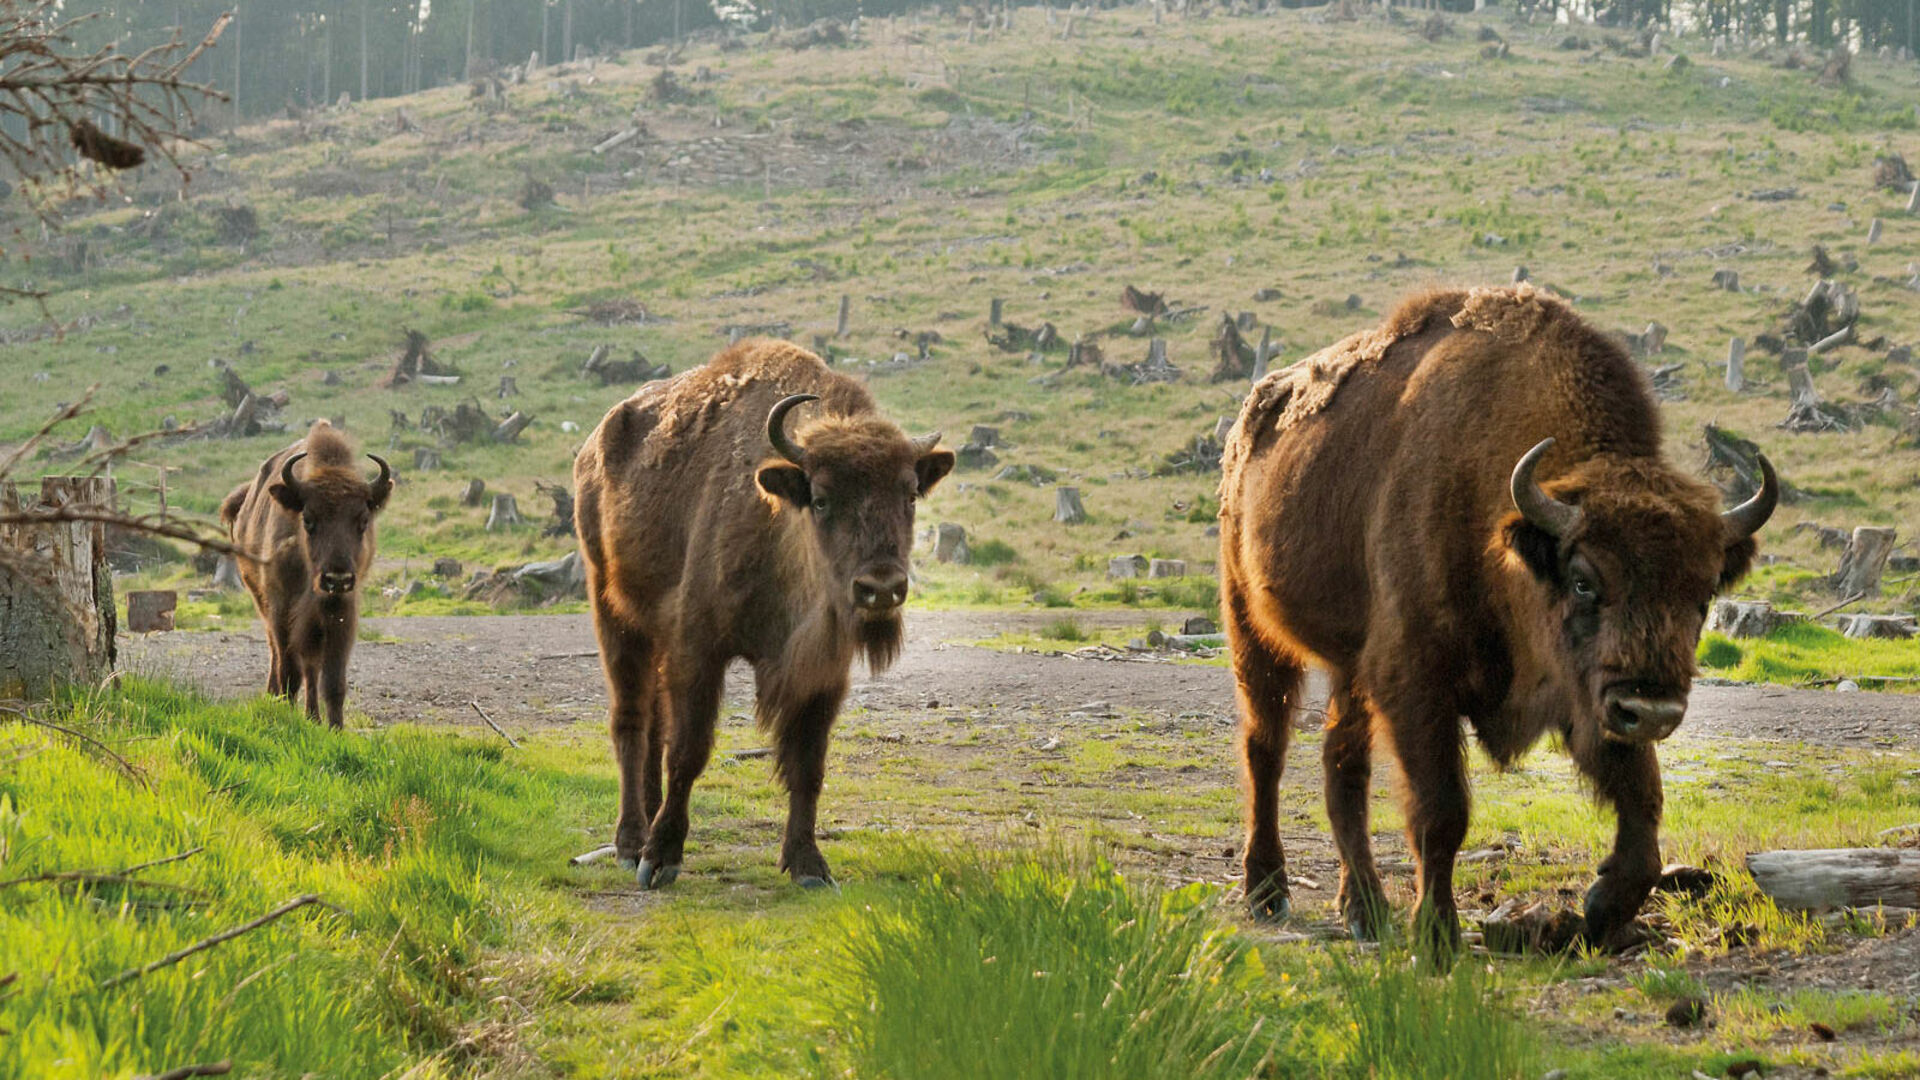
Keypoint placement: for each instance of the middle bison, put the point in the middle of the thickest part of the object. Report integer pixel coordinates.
(1465, 514)
(710, 532)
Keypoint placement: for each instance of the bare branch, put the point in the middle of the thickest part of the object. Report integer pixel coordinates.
(19, 712)
(204, 944)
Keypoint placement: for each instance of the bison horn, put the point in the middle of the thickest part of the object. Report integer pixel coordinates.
(1745, 520)
(286, 471)
(926, 442)
(1547, 513)
(386, 471)
(777, 428)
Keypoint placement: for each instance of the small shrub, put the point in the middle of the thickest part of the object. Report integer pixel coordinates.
(1065, 629)
(992, 553)
(1718, 652)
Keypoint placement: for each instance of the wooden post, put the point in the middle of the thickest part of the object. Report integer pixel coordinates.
(846, 309)
(1736, 364)
(56, 591)
(1862, 562)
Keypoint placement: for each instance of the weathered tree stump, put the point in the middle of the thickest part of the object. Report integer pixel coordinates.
(1822, 880)
(510, 428)
(505, 513)
(846, 311)
(446, 566)
(1727, 279)
(993, 312)
(1737, 364)
(950, 544)
(508, 388)
(1126, 566)
(425, 458)
(226, 574)
(973, 456)
(56, 591)
(1863, 561)
(1860, 627)
(1746, 618)
(1167, 568)
(982, 435)
(1066, 506)
(475, 494)
(151, 611)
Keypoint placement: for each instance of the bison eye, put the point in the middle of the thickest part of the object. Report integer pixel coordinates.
(309, 522)
(819, 504)
(1584, 588)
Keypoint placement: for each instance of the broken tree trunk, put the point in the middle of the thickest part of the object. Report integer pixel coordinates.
(510, 428)
(56, 590)
(1822, 880)
(226, 574)
(505, 513)
(1862, 562)
(1736, 364)
(475, 494)
(1066, 506)
(950, 544)
(425, 458)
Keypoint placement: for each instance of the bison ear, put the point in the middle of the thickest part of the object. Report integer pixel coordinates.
(1535, 546)
(783, 481)
(1739, 560)
(288, 496)
(931, 467)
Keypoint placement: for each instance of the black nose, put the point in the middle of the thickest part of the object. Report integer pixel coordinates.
(336, 582)
(880, 590)
(1634, 718)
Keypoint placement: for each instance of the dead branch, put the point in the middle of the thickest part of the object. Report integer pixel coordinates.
(18, 711)
(94, 877)
(1826, 611)
(503, 733)
(204, 944)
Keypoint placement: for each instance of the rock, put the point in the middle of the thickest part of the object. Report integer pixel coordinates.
(1264, 295)
(1847, 686)
(950, 544)
(151, 610)
(974, 457)
(1199, 624)
(1689, 1011)
(446, 567)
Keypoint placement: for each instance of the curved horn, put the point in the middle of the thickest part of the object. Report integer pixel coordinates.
(386, 471)
(925, 443)
(777, 428)
(286, 471)
(1745, 520)
(1548, 514)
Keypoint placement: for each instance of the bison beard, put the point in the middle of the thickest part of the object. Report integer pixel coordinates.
(712, 528)
(1465, 513)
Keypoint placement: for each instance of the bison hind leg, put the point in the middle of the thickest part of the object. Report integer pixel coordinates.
(1267, 683)
(1347, 758)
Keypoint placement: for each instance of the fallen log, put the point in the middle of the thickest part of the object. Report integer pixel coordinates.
(1822, 880)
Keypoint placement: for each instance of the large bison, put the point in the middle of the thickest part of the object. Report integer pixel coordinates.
(710, 533)
(306, 518)
(1465, 513)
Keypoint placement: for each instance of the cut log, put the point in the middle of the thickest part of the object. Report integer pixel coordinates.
(56, 590)
(1737, 364)
(617, 140)
(475, 494)
(1167, 568)
(151, 611)
(505, 513)
(1126, 566)
(1066, 506)
(950, 544)
(510, 428)
(1822, 880)
(1862, 562)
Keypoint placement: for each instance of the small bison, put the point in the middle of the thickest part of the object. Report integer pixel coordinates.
(1465, 513)
(307, 521)
(709, 532)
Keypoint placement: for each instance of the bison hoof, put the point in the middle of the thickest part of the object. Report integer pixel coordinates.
(627, 862)
(815, 881)
(1269, 905)
(653, 877)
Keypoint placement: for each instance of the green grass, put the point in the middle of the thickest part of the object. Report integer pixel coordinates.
(1808, 653)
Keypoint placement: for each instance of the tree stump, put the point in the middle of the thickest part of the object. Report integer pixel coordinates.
(1167, 568)
(226, 574)
(56, 591)
(510, 428)
(950, 544)
(508, 388)
(1745, 618)
(1860, 627)
(846, 310)
(993, 312)
(1066, 506)
(1126, 566)
(1727, 279)
(1862, 562)
(982, 435)
(1837, 878)
(151, 611)
(446, 566)
(505, 513)
(475, 494)
(1736, 364)
(425, 458)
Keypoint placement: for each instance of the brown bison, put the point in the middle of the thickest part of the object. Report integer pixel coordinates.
(1465, 513)
(307, 521)
(710, 533)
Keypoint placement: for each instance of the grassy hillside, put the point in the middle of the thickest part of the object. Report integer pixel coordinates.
(927, 169)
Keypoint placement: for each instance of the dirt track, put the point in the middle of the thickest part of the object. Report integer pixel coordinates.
(532, 671)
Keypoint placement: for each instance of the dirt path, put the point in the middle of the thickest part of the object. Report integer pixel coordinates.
(532, 671)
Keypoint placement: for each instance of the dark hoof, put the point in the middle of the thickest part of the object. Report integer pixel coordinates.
(653, 877)
(814, 881)
(1269, 905)
(627, 862)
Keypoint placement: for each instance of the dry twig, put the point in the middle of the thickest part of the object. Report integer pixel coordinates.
(494, 726)
(204, 944)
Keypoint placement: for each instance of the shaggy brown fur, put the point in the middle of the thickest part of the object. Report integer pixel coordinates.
(700, 548)
(311, 543)
(1372, 530)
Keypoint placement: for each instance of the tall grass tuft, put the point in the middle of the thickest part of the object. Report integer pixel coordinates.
(1407, 1025)
(1014, 965)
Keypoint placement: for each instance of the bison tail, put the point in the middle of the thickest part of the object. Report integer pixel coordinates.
(230, 506)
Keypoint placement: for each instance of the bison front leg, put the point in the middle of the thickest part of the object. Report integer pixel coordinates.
(801, 760)
(693, 710)
(632, 686)
(1626, 775)
(331, 675)
(1427, 739)
(1347, 758)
